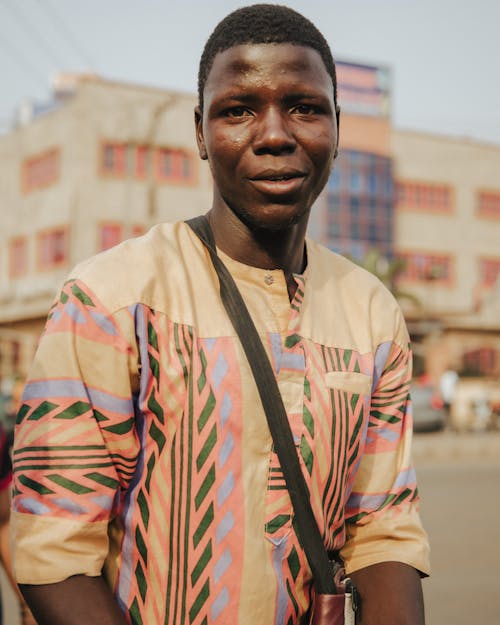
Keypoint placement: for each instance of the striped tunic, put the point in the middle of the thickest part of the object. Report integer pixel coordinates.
(142, 450)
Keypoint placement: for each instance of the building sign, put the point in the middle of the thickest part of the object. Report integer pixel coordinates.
(364, 89)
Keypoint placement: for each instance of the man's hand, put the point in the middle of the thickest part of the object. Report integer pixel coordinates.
(391, 594)
(79, 600)
(27, 617)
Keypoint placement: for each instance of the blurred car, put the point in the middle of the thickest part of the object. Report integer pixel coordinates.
(429, 414)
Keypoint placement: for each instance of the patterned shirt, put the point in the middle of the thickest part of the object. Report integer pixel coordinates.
(142, 449)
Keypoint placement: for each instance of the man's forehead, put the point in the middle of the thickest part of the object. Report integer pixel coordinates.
(278, 57)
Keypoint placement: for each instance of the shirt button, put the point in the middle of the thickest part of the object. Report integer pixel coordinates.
(268, 279)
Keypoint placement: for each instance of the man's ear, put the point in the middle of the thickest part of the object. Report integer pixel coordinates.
(198, 124)
(337, 116)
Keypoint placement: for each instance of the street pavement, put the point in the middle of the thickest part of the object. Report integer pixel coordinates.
(459, 478)
(456, 446)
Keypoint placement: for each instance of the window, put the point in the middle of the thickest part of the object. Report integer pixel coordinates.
(18, 256)
(360, 203)
(334, 180)
(110, 234)
(113, 159)
(489, 271)
(137, 230)
(53, 248)
(127, 160)
(480, 361)
(165, 164)
(41, 171)
(428, 268)
(173, 165)
(424, 197)
(488, 204)
(142, 161)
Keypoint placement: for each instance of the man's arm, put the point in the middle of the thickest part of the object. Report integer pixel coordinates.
(78, 600)
(386, 547)
(390, 594)
(77, 419)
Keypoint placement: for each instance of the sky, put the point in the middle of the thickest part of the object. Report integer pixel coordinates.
(443, 54)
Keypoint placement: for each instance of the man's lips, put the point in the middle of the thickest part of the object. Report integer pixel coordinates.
(277, 175)
(277, 182)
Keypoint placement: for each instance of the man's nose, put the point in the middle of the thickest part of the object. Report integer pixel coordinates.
(274, 134)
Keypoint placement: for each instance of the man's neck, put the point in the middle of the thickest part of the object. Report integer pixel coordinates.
(282, 249)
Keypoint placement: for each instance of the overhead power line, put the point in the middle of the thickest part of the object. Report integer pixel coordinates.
(22, 61)
(35, 34)
(67, 34)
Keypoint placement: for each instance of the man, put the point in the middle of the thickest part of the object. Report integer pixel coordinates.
(147, 489)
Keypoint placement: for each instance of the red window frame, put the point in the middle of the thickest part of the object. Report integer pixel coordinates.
(488, 204)
(109, 235)
(137, 230)
(41, 170)
(18, 256)
(424, 196)
(489, 271)
(426, 267)
(113, 161)
(52, 248)
(483, 360)
(174, 165)
(142, 157)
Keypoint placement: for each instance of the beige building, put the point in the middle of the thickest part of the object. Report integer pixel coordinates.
(447, 229)
(105, 164)
(110, 159)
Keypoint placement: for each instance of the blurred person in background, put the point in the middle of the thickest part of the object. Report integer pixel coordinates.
(6, 437)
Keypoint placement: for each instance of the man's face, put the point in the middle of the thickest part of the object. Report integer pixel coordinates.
(269, 131)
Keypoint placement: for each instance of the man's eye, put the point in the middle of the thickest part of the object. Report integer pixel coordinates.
(237, 111)
(305, 109)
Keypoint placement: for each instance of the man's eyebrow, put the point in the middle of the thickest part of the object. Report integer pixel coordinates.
(305, 95)
(314, 97)
(239, 96)
(249, 97)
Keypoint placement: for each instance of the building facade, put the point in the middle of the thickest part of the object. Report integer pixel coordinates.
(109, 160)
(104, 164)
(447, 231)
(356, 211)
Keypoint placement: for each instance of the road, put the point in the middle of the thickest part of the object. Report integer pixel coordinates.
(459, 479)
(461, 511)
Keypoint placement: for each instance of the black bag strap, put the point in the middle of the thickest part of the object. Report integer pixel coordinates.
(277, 418)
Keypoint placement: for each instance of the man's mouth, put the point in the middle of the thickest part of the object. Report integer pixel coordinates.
(278, 176)
(282, 183)
(278, 184)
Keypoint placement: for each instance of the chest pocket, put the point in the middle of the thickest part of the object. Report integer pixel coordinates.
(349, 382)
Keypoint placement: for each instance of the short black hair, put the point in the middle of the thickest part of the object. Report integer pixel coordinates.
(263, 23)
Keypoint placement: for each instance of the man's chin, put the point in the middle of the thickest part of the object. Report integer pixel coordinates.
(272, 222)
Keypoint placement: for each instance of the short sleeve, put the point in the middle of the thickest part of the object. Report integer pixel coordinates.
(75, 444)
(382, 520)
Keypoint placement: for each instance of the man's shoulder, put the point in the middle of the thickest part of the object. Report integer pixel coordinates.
(343, 272)
(123, 274)
(343, 290)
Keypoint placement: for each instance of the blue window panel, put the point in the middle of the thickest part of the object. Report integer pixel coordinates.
(333, 202)
(357, 250)
(333, 229)
(354, 206)
(334, 180)
(355, 182)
